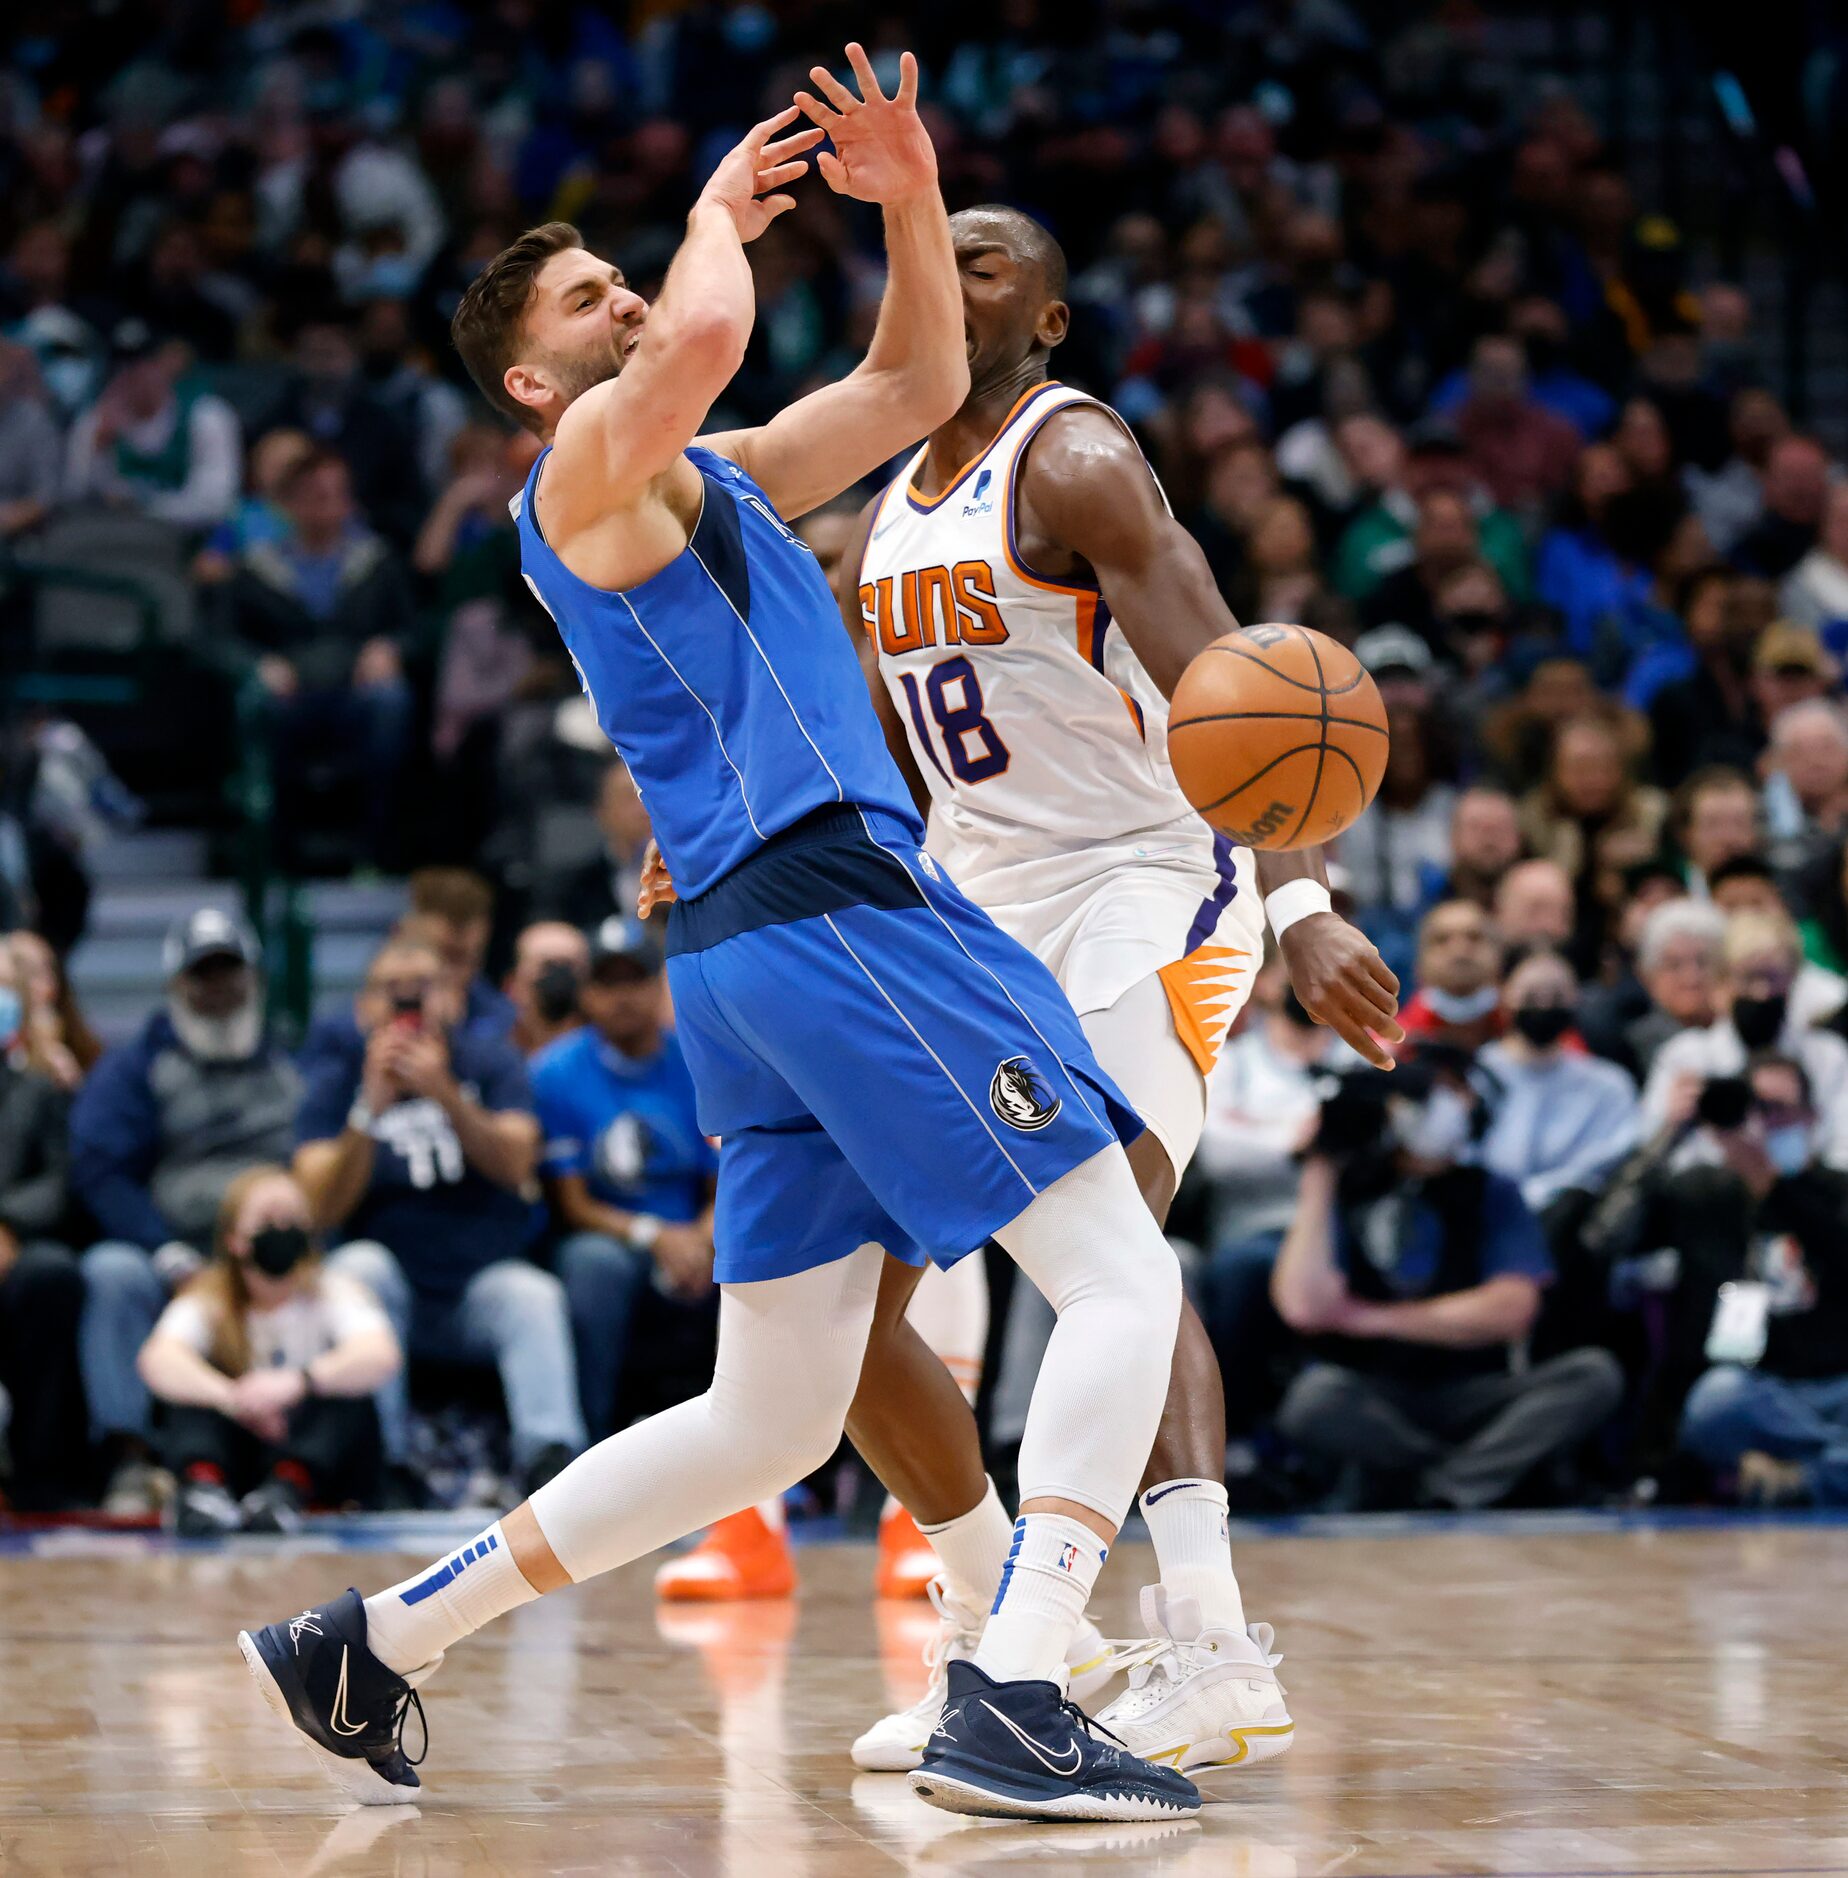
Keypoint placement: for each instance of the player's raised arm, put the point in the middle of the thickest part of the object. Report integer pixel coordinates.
(618, 436)
(916, 371)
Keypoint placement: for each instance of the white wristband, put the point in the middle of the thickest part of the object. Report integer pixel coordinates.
(1294, 900)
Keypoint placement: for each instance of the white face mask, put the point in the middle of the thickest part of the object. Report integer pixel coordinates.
(1437, 1129)
(231, 1039)
(1462, 1009)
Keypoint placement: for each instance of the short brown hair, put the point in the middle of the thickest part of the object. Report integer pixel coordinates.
(451, 893)
(490, 314)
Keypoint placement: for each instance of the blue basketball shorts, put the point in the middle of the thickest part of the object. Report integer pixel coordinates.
(881, 1062)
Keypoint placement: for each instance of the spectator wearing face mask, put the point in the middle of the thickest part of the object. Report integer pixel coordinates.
(1419, 1277)
(1559, 1119)
(550, 963)
(161, 1128)
(1746, 884)
(628, 1172)
(1761, 957)
(1458, 1000)
(267, 1364)
(1771, 1415)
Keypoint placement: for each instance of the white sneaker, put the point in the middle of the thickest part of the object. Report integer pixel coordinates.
(1198, 1699)
(896, 1744)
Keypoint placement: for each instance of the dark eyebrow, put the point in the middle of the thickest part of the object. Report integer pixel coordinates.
(585, 285)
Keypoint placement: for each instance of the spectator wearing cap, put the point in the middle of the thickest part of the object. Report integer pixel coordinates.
(41, 1288)
(1789, 667)
(550, 963)
(414, 1141)
(1559, 1119)
(1458, 1000)
(1761, 958)
(629, 1174)
(160, 1129)
(322, 616)
(156, 441)
(1815, 591)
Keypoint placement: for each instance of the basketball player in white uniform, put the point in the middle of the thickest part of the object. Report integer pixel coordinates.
(1030, 603)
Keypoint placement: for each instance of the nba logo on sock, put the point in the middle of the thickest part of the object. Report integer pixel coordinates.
(1068, 1558)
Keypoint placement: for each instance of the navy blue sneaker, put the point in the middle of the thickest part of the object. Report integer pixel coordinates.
(316, 1672)
(1019, 1750)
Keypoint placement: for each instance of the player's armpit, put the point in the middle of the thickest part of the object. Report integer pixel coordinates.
(1085, 499)
(866, 646)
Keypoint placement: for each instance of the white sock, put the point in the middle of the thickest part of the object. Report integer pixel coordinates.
(973, 1550)
(1044, 1589)
(1187, 1521)
(410, 1626)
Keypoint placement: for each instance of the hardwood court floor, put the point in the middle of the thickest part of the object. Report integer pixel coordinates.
(1541, 1701)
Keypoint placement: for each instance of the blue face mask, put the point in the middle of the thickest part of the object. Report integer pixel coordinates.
(11, 1011)
(1788, 1147)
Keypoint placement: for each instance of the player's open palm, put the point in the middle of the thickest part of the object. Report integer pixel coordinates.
(882, 152)
(756, 166)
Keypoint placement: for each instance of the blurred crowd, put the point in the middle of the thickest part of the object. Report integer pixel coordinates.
(1416, 367)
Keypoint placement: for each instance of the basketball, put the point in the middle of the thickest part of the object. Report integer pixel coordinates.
(1277, 736)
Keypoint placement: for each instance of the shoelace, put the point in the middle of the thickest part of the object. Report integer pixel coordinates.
(1174, 1657)
(412, 1700)
(949, 1629)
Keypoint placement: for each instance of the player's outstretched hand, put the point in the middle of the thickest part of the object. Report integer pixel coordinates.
(882, 152)
(1337, 972)
(756, 165)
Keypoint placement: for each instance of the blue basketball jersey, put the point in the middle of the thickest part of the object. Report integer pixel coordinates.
(725, 680)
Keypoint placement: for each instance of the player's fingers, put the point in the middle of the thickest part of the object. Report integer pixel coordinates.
(833, 171)
(793, 145)
(907, 79)
(773, 206)
(762, 133)
(863, 71)
(1383, 975)
(833, 90)
(812, 107)
(783, 173)
(1359, 993)
(1359, 1037)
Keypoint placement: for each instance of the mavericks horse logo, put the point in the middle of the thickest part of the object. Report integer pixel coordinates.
(1019, 1095)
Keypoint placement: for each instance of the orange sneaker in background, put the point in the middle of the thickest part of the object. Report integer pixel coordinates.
(741, 1557)
(906, 1562)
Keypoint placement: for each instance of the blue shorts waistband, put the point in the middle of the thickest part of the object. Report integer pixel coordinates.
(830, 859)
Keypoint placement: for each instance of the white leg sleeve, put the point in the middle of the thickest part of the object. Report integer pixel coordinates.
(789, 1357)
(1140, 1050)
(1091, 1245)
(949, 1310)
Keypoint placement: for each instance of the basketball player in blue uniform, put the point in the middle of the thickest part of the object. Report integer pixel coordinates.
(884, 1066)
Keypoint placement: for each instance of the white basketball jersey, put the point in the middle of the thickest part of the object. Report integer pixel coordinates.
(1041, 737)
(1032, 721)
